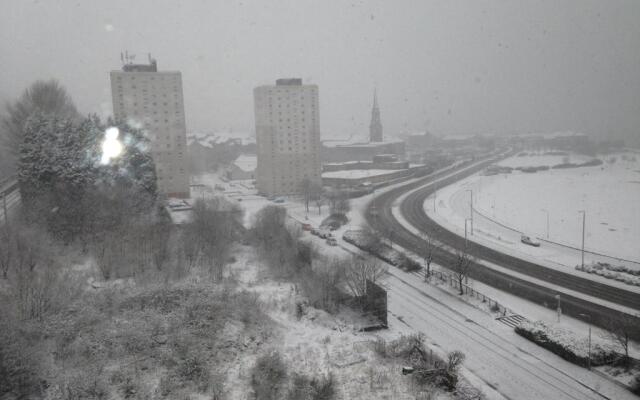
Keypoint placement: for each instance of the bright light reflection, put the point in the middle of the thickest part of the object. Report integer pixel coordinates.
(111, 147)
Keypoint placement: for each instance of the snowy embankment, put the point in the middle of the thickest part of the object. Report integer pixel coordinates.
(509, 205)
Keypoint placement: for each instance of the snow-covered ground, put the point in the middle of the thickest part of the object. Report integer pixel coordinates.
(508, 205)
(536, 160)
(358, 173)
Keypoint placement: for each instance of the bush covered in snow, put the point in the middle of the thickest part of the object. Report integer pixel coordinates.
(368, 241)
(425, 368)
(619, 273)
(65, 183)
(567, 344)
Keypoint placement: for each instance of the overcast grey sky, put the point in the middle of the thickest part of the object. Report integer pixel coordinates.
(451, 67)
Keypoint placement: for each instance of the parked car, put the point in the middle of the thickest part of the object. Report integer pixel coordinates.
(527, 240)
(315, 232)
(324, 234)
(278, 200)
(306, 227)
(332, 241)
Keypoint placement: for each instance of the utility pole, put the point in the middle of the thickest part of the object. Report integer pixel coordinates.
(547, 212)
(465, 233)
(559, 308)
(471, 209)
(435, 194)
(589, 359)
(584, 216)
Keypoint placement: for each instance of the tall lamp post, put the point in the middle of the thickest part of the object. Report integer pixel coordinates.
(584, 216)
(471, 209)
(589, 359)
(465, 232)
(559, 309)
(435, 194)
(547, 212)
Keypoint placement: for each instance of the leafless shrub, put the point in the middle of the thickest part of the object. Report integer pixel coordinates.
(268, 376)
(19, 360)
(320, 284)
(621, 329)
(207, 240)
(305, 388)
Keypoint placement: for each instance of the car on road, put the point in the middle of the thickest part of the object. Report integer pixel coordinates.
(527, 240)
(307, 227)
(278, 200)
(332, 241)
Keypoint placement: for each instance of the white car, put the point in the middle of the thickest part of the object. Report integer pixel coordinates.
(527, 240)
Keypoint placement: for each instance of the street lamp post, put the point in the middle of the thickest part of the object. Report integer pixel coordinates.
(584, 216)
(465, 232)
(589, 359)
(435, 194)
(471, 209)
(547, 212)
(559, 309)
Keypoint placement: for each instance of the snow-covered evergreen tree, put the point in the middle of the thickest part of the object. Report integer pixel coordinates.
(64, 184)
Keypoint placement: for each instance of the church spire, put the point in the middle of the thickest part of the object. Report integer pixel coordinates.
(375, 128)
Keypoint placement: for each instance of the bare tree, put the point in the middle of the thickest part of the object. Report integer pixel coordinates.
(320, 284)
(214, 228)
(621, 328)
(317, 195)
(311, 191)
(461, 268)
(430, 247)
(158, 234)
(358, 272)
(305, 188)
(341, 205)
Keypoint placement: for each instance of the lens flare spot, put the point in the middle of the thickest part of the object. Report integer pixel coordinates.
(111, 147)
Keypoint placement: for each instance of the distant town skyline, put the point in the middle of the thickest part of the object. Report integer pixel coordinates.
(454, 67)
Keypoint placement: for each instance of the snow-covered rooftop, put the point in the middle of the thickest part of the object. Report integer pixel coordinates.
(336, 143)
(209, 139)
(247, 162)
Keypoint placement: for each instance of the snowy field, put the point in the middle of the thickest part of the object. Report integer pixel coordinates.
(508, 205)
(358, 173)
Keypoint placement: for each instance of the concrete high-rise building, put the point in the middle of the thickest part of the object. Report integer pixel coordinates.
(142, 95)
(287, 136)
(375, 128)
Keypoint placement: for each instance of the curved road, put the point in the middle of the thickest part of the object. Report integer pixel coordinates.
(412, 209)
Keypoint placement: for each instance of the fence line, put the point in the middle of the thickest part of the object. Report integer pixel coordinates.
(468, 290)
